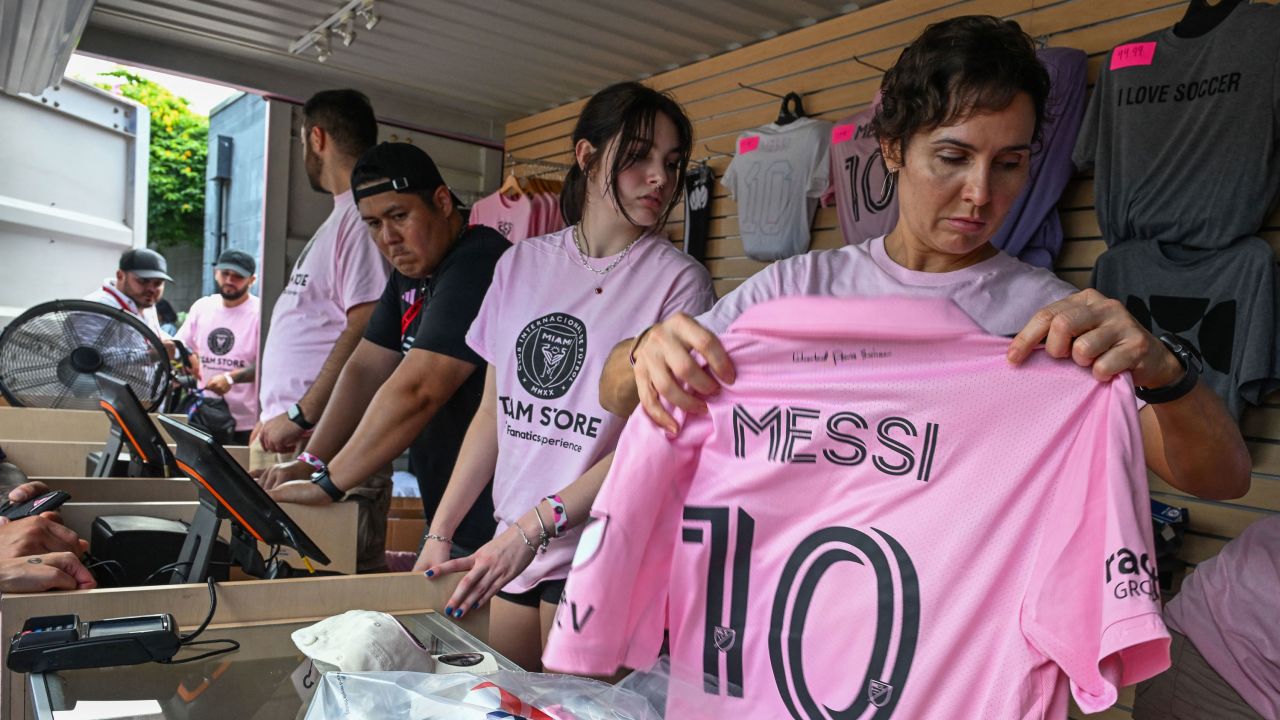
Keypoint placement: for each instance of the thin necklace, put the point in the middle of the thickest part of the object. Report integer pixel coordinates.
(580, 241)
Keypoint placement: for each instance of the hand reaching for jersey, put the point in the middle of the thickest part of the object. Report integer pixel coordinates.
(1098, 332)
(665, 369)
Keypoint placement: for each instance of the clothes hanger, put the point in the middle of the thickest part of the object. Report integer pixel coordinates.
(792, 109)
(1201, 17)
(511, 186)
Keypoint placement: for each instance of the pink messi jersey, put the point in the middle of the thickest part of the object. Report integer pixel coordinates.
(880, 517)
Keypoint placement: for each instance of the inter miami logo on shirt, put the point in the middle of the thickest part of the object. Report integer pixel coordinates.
(724, 638)
(549, 354)
(221, 341)
(505, 227)
(879, 693)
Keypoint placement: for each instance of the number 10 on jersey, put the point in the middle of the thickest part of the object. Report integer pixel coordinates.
(725, 632)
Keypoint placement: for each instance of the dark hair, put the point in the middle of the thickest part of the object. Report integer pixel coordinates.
(347, 116)
(627, 111)
(955, 68)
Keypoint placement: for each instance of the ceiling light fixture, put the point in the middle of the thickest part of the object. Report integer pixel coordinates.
(345, 30)
(340, 24)
(369, 15)
(322, 47)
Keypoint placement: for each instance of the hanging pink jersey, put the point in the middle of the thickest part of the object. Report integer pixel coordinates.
(512, 217)
(866, 205)
(880, 517)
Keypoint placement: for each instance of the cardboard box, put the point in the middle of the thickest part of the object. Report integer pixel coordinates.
(405, 533)
(49, 424)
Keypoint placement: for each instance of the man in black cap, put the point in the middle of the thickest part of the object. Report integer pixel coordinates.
(137, 287)
(412, 382)
(222, 332)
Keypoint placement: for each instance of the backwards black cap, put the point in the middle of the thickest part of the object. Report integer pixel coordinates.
(406, 169)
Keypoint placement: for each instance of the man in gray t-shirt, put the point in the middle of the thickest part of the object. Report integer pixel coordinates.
(1221, 301)
(1183, 134)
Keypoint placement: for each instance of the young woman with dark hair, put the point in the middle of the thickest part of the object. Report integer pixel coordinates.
(556, 306)
(960, 114)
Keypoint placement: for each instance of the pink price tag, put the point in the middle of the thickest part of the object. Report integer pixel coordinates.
(748, 144)
(1133, 54)
(842, 133)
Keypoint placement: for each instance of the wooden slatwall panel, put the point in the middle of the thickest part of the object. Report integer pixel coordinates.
(818, 62)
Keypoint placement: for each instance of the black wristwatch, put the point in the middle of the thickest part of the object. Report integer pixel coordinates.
(297, 418)
(323, 480)
(1192, 363)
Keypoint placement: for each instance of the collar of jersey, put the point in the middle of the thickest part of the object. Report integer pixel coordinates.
(880, 317)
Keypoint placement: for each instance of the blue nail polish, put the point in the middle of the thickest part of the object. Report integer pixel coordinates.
(448, 611)
(431, 573)
(475, 605)
(459, 615)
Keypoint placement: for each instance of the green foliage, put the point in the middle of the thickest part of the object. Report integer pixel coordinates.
(179, 146)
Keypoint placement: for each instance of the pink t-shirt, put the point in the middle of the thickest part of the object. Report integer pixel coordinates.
(866, 205)
(513, 218)
(339, 269)
(881, 516)
(1228, 608)
(226, 339)
(1000, 293)
(547, 333)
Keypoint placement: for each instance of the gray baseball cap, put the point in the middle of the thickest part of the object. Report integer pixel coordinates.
(237, 261)
(145, 263)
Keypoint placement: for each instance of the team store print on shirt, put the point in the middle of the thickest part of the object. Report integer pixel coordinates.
(880, 518)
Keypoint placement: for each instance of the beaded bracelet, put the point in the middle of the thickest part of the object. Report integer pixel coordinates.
(559, 514)
(441, 538)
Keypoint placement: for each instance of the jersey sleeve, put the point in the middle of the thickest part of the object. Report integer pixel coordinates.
(613, 612)
(360, 271)
(383, 329)
(820, 163)
(1092, 605)
(1086, 149)
(692, 294)
(456, 301)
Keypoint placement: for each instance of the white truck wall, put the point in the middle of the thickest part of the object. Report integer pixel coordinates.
(73, 191)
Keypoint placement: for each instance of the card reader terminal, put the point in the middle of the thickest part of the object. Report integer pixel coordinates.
(62, 642)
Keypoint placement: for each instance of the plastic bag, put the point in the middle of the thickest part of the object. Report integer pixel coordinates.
(462, 696)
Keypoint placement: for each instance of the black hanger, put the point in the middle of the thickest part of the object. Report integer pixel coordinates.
(792, 109)
(1201, 17)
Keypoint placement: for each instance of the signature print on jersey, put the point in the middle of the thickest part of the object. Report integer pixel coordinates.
(221, 341)
(549, 354)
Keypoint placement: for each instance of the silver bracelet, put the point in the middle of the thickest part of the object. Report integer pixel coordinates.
(441, 538)
(524, 537)
(544, 539)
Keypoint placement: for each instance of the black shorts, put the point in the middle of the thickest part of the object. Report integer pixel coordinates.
(548, 591)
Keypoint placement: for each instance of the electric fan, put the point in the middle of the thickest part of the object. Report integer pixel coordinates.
(50, 353)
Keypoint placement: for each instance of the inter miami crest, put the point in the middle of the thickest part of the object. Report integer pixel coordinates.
(549, 354)
(879, 693)
(221, 341)
(724, 638)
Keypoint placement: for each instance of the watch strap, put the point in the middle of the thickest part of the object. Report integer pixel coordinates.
(323, 480)
(1182, 350)
(297, 418)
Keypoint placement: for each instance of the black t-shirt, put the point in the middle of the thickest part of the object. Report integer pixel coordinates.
(434, 314)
